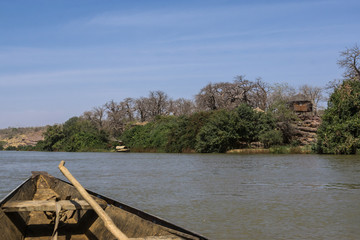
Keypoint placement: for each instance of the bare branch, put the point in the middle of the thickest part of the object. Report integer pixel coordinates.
(350, 60)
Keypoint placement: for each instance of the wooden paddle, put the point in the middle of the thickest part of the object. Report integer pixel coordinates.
(109, 224)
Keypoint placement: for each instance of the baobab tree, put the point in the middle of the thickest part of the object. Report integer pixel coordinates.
(97, 117)
(158, 103)
(181, 107)
(350, 60)
(229, 95)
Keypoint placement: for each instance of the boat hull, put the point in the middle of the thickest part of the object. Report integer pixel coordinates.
(28, 213)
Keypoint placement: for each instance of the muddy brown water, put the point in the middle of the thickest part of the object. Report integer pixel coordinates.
(217, 195)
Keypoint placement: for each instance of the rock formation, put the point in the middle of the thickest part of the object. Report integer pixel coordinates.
(306, 128)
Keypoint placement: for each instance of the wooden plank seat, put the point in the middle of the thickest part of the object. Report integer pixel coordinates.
(47, 205)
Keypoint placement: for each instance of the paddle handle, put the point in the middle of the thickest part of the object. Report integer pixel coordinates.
(109, 224)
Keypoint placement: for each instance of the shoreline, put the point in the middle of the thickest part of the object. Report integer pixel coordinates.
(273, 150)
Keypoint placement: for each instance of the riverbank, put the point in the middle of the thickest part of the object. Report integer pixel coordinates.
(273, 150)
(307, 149)
(25, 139)
(285, 149)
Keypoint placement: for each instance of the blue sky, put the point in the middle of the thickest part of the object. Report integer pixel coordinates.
(60, 58)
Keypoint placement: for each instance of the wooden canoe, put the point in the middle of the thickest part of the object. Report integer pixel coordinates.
(29, 212)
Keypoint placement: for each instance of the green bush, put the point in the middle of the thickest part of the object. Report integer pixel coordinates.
(271, 138)
(52, 136)
(25, 148)
(182, 137)
(284, 118)
(166, 134)
(11, 148)
(153, 136)
(227, 130)
(339, 132)
(2, 144)
(218, 134)
(77, 134)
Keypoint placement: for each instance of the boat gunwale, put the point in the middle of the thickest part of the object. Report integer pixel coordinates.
(13, 192)
(144, 215)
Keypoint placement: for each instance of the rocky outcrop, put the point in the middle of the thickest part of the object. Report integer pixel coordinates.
(306, 128)
(16, 137)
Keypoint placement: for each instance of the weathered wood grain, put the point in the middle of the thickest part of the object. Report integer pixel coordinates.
(46, 205)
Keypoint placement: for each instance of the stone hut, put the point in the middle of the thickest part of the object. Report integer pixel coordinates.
(301, 104)
(305, 129)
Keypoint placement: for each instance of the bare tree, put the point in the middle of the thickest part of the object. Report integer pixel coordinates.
(350, 60)
(181, 106)
(229, 95)
(88, 115)
(115, 117)
(245, 86)
(206, 99)
(96, 116)
(280, 92)
(99, 116)
(127, 107)
(259, 94)
(332, 85)
(158, 103)
(225, 95)
(141, 109)
(222, 95)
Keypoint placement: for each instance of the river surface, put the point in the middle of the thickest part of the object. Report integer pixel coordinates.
(221, 196)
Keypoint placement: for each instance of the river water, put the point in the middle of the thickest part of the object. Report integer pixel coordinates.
(221, 196)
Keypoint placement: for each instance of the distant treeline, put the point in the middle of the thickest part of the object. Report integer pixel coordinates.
(222, 116)
(115, 117)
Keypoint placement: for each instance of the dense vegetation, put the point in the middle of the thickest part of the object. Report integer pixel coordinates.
(215, 131)
(75, 135)
(340, 129)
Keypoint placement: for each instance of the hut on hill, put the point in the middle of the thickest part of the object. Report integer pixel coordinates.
(301, 104)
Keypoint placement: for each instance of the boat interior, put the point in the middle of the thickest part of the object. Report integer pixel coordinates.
(45, 207)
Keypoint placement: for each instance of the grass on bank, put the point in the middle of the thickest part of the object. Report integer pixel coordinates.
(275, 150)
